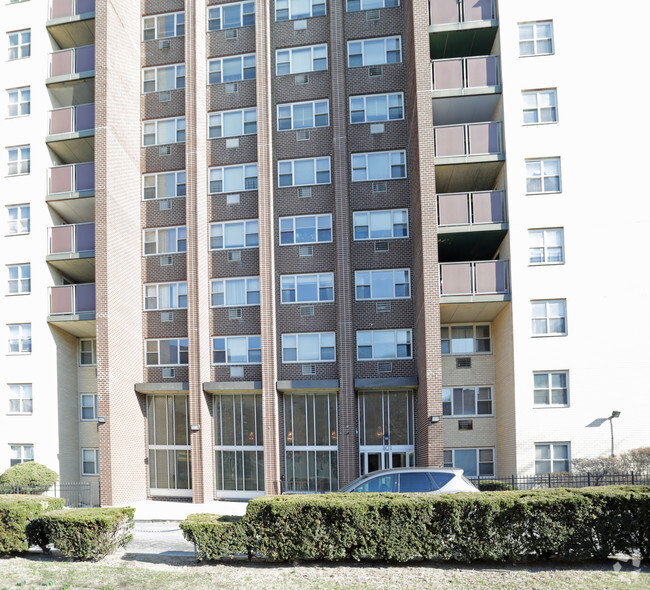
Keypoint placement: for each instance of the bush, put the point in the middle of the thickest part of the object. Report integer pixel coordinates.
(215, 536)
(84, 534)
(30, 478)
(494, 526)
(494, 486)
(16, 512)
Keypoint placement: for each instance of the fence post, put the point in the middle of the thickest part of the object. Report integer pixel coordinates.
(512, 477)
(588, 479)
(632, 474)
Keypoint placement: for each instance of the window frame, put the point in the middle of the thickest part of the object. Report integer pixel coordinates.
(180, 180)
(477, 463)
(290, 51)
(370, 284)
(295, 288)
(354, 170)
(385, 4)
(548, 318)
(365, 97)
(476, 413)
(552, 459)
(178, 67)
(246, 233)
(475, 339)
(549, 389)
(23, 447)
(292, 174)
(321, 347)
(243, 20)
(291, 106)
(94, 461)
(290, 17)
(542, 176)
(23, 343)
(177, 25)
(21, 393)
(538, 110)
(317, 229)
(19, 219)
(180, 232)
(178, 296)
(93, 406)
(179, 131)
(535, 38)
(182, 343)
(243, 122)
(19, 102)
(23, 48)
(408, 332)
(357, 214)
(363, 43)
(247, 291)
(19, 280)
(92, 352)
(226, 339)
(242, 58)
(244, 170)
(544, 247)
(20, 160)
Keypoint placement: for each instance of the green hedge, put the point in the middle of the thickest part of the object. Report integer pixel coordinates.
(495, 526)
(84, 534)
(28, 478)
(16, 512)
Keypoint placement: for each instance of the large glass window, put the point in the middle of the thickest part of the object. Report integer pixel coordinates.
(89, 461)
(18, 219)
(465, 339)
(163, 131)
(383, 284)
(19, 279)
(20, 338)
(235, 292)
(166, 352)
(234, 234)
(293, 9)
(540, 106)
(231, 16)
(20, 398)
(303, 115)
(305, 229)
(381, 225)
(231, 69)
(232, 123)
(309, 348)
(169, 445)
(238, 443)
(552, 458)
(19, 101)
(163, 78)
(551, 388)
(384, 344)
(371, 52)
(237, 350)
(357, 5)
(232, 179)
(307, 288)
(304, 172)
(165, 296)
(165, 240)
(373, 108)
(18, 160)
(311, 454)
(473, 462)
(163, 26)
(378, 166)
(20, 44)
(549, 317)
(467, 401)
(543, 176)
(164, 185)
(297, 60)
(546, 246)
(20, 454)
(536, 38)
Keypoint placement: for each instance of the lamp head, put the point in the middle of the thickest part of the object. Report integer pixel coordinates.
(615, 414)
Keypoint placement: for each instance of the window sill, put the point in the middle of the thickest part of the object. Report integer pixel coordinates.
(549, 335)
(451, 354)
(550, 406)
(14, 175)
(17, 294)
(20, 413)
(233, 306)
(162, 198)
(544, 193)
(88, 366)
(9, 118)
(472, 416)
(19, 353)
(537, 54)
(240, 364)
(546, 263)
(26, 233)
(540, 123)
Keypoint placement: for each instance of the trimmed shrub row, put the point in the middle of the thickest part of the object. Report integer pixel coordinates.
(494, 526)
(28, 478)
(84, 534)
(16, 511)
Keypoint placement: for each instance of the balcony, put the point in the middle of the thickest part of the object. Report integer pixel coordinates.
(71, 249)
(473, 291)
(71, 191)
(72, 22)
(72, 131)
(462, 27)
(72, 308)
(69, 65)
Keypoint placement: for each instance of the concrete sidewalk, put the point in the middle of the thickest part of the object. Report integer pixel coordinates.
(153, 510)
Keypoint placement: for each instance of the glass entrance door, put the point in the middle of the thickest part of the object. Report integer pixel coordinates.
(385, 430)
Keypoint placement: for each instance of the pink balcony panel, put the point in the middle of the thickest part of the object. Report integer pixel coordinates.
(444, 11)
(62, 8)
(450, 141)
(62, 239)
(488, 207)
(482, 71)
(447, 74)
(62, 62)
(453, 209)
(456, 279)
(491, 277)
(484, 138)
(61, 179)
(474, 10)
(61, 121)
(62, 300)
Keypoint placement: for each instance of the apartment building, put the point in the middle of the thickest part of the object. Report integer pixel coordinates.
(258, 246)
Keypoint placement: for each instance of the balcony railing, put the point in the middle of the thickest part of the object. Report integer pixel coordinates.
(71, 239)
(67, 8)
(72, 61)
(444, 12)
(471, 208)
(466, 72)
(468, 139)
(72, 119)
(72, 299)
(71, 178)
(489, 277)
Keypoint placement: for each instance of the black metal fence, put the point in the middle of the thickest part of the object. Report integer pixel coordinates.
(77, 495)
(560, 480)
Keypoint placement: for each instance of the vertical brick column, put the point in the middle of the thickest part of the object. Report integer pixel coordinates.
(424, 227)
(196, 203)
(347, 407)
(265, 175)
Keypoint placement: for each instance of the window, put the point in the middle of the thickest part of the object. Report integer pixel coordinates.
(376, 107)
(304, 172)
(166, 352)
(235, 292)
(19, 44)
(356, 5)
(161, 78)
(19, 279)
(545, 246)
(18, 219)
(303, 115)
(163, 26)
(384, 344)
(18, 160)
(473, 462)
(18, 102)
(309, 348)
(373, 52)
(20, 454)
(89, 461)
(306, 288)
(237, 350)
(551, 388)
(20, 398)
(305, 229)
(231, 69)
(234, 234)
(549, 317)
(231, 16)
(292, 9)
(297, 60)
(536, 38)
(164, 185)
(467, 401)
(543, 176)
(165, 296)
(540, 106)
(87, 352)
(383, 284)
(165, 240)
(381, 225)
(465, 339)
(20, 338)
(552, 458)
(231, 179)
(88, 406)
(378, 166)
(163, 131)
(232, 123)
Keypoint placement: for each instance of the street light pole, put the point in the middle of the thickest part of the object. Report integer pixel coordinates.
(615, 414)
